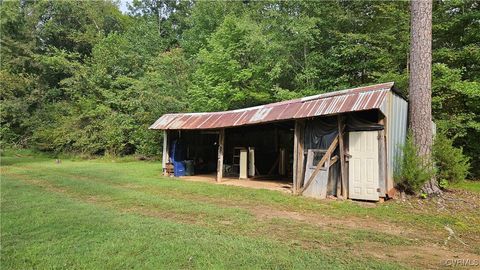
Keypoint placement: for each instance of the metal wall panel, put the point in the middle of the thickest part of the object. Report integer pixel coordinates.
(397, 126)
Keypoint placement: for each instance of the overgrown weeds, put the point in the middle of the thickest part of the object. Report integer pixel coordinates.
(414, 171)
(452, 165)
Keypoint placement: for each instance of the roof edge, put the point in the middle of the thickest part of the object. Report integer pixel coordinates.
(388, 85)
(353, 99)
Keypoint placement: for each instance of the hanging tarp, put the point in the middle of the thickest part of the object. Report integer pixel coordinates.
(319, 135)
(178, 158)
(320, 132)
(355, 122)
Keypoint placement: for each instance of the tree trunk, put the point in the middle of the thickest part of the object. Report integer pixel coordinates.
(421, 83)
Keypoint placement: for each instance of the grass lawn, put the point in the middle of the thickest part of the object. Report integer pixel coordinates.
(468, 185)
(104, 214)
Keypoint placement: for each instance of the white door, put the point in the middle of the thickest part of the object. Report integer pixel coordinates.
(363, 165)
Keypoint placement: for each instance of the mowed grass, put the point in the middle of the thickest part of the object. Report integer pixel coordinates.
(105, 214)
(468, 185)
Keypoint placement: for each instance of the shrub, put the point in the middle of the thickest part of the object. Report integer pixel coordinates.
(452, 165)
(443, 183)
(413, 170)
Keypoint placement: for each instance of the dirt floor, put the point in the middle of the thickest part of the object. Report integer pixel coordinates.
(278, 185)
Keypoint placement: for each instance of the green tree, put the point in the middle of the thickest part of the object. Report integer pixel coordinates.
(232, 71)
(456, 73)
(81, 76)
(169, 17)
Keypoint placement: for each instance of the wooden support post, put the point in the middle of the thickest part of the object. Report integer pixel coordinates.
(295, 161)
(165, 155)
(390, 186)
(341, 127)
(221, 142)
(301, 154)
(298, 155)
(382, 160)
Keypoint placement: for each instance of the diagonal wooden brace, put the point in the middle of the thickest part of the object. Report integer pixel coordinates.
(319, 166)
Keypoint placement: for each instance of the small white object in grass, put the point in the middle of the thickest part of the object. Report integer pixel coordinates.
(452, 233)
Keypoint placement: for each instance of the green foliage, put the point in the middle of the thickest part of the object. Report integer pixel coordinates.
(443, 183)
(452, 165)
(413, 171)
(456, 73)
(230, 71)
(81, 76)
(455, 105)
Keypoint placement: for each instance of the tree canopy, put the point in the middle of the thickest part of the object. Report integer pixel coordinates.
(83, 77)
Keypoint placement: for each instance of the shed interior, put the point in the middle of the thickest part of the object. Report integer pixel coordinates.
(269, 146)
(272, 146)
(198, 147)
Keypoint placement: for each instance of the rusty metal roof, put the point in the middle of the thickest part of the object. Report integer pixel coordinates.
(350, 100)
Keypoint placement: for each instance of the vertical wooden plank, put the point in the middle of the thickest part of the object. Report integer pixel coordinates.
(298, 156)
(382, 161)
(281, 162)
(342, 157)
(389, 162)
(221, 142)
(295, 158)
(251, 161)
(243, 164)
(276, 147)
(165, 156)
(301, 153)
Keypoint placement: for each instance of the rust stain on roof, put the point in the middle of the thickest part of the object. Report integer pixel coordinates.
(350, 100)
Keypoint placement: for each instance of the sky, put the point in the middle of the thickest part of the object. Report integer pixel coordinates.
(124, 5)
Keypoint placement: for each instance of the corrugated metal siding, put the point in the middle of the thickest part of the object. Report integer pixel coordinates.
(397, 126)
(350, 100)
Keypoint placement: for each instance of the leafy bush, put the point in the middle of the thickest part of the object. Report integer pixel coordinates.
(443, 183)
(413, 171)
(452, 165)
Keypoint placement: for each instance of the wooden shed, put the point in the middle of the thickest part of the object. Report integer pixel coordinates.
(343, 143)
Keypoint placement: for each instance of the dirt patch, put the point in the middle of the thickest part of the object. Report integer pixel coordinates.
(450, 202)
(430, 256)
(109, 203)
(462, 204)
(422, 254)
(172, 216)
(285, 187)
(350, 222)
(130, 186)
(47, 186)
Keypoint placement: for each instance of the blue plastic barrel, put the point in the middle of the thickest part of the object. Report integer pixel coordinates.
(179, 168)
